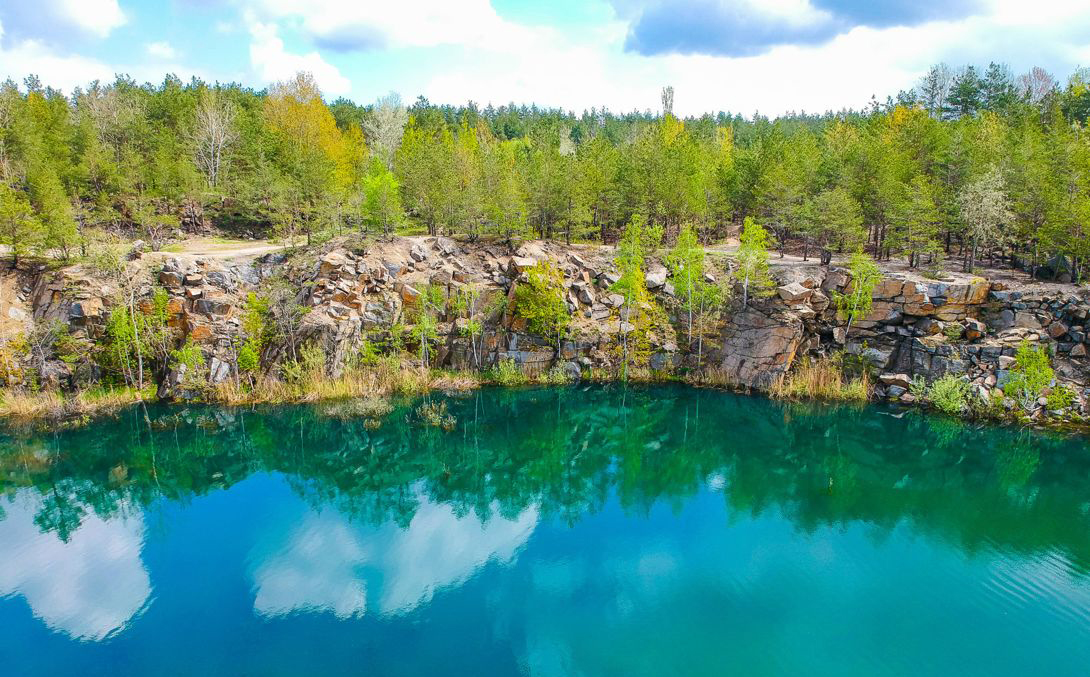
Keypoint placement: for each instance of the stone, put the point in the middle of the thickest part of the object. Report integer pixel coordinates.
(199, 332)
(615, 300)
(901, 380)
(220, 279)
(1057, 330)
(888, 288)
(794, 293)
(1078, 350)
(974, 328)
(137, 250)
(169, 278)
(418, 253)
(212, 306)
(193, 293)
(194, 280)
(393, 268)
(409, 294)
(655, 277)
(521, 264)
(333, 261)
(571, 370)
(218, 370)
(896, 391)
(446, 246)
(586, 296)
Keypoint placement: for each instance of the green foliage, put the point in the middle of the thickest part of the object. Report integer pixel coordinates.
(190, 355)
(637, 314)
(949, 394)
(540, 300)
(858, 299)
(507, 373)
(255, 314)
(752, 259)
(248, 358)
(1061, 397)
(1030, 375)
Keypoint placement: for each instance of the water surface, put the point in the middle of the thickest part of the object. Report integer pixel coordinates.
(571, 531)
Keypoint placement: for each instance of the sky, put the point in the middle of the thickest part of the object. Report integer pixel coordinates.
(743, 56)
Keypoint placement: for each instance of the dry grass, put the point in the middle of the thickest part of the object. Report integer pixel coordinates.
(25, 406)
(388, 377)
(822, 379)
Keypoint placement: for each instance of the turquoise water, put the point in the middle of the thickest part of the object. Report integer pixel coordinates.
(573, 531)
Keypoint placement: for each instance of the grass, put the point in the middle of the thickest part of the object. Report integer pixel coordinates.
(822, 379)
(25, 405)
(389, 376)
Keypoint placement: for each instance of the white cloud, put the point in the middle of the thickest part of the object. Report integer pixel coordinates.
(271, 61)
(23, 57)
(88, 588)
(350, 24)
(326, 563)
(161, 50)
(579, 72)
(97, 17)
(61, 21)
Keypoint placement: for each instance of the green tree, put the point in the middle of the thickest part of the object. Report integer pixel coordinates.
(752, 260)
(541, 301)
(19, 227)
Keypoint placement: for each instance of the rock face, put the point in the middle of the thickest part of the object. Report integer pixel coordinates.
(916, 328)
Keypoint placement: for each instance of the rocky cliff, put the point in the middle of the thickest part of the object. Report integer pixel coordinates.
(916, 327)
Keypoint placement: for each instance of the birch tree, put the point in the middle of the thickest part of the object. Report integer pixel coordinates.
(213, 135)
(985, 209)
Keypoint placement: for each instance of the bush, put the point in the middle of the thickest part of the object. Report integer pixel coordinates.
(507, 373)
(1061, 397)
(1030, 375)
(248, 360)
(541, 301)
(949, 395)
(555, 376)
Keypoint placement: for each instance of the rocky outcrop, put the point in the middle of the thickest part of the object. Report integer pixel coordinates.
(916, 327)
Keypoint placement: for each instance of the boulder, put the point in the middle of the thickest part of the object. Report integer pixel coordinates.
(901, 380)
(333, 261)
(794, 293)
(655, 277)
(418, 253)
(974, 328)
(409, 294)
(520, 264)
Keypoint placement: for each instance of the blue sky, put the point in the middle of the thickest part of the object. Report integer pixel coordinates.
(735, 55)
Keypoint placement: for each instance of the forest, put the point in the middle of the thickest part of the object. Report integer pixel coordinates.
(971, 164)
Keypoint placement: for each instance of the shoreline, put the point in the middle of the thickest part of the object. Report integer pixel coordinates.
(74, 409)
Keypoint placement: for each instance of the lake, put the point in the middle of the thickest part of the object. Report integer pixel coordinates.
(566, 531)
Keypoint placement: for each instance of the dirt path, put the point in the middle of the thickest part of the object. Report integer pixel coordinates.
(215, 248)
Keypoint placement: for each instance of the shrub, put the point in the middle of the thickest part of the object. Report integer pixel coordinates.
(1030, 374)
(949, 394)
(507, 373)
(248, 360)
(1061, 397)
(555, 376)
(541, 301)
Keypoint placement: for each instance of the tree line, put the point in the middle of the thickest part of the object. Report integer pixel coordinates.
(969, 164)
